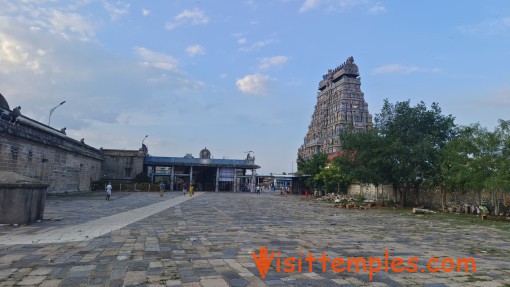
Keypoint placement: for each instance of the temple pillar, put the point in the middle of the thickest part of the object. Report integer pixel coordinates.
(172, 178)
(253, 180)
(216, 186)
(190, 175)
(235, 179)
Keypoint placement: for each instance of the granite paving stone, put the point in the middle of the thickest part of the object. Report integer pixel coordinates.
(140, 239)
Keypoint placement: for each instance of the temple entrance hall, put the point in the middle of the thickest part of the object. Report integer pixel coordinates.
(204, 173)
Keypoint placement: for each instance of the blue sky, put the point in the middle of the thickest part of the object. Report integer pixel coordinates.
(235, 76)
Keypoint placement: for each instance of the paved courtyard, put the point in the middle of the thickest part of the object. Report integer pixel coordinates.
(141, 239)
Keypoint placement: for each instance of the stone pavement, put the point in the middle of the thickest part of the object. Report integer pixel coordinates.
(141, 239)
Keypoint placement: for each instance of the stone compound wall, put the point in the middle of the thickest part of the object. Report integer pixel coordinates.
(370, 191)
(430, 198)
(122, 165)
(37, 151)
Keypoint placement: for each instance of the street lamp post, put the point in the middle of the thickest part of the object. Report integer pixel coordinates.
(144, 149)
(253, 176)
(52, 110)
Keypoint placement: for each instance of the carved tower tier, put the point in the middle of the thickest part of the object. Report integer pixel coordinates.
(340, 105)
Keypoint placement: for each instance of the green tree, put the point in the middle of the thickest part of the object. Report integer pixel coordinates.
(412, 139)
(491, 161)
(335, 176)
(365, 155)
(477, 160)
(309, 168)
(456, 173)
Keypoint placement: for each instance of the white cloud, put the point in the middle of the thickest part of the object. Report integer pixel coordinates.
(11, 52)
(342, 5)
(49, 16)
(8, 7)
(34, 66)
(267, 62)
(490, 27)
(395, 68)
(145, 12)
(41, 52)
(157, 60)
(241, 39)
(15, 56)
(402, 69)
(377, 9)
(195, 50)
(251, 3)
(116, 11)
(309, 5)
(256, 84)
(256, 46)
(194, 17)
(71, 25)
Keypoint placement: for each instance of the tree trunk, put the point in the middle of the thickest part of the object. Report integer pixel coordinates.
(496, 203)
(443, 199)
(417, 193)
(403, 196)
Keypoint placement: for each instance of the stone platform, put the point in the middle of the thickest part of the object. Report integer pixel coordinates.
(142, 239)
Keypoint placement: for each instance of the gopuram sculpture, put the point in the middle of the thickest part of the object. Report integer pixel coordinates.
(340, 105)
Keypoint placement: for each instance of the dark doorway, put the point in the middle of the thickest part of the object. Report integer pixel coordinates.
(204, 178)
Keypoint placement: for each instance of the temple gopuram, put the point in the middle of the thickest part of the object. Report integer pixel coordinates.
(340, 105)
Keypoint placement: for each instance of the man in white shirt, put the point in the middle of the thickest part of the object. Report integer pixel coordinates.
(108, 191)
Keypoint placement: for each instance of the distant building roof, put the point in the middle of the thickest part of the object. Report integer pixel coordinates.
(205, 153)
(341, 153)
(3, 103)
(334, 155)
(185, 161)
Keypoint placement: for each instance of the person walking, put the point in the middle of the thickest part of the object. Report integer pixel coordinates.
(161, 189)
(258, 189)
(191, 190)
(108, 191)
(184, 189)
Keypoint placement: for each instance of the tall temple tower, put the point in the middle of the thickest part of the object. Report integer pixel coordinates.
(340, 104)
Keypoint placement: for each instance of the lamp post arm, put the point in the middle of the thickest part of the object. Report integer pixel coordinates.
(52, 110)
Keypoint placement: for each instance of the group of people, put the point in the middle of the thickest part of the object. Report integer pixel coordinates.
(161, 190)
(191, 189)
